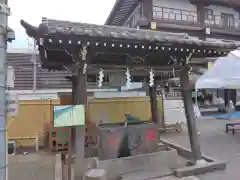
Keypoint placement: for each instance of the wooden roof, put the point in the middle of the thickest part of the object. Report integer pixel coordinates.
(110, 45)
(79, 31)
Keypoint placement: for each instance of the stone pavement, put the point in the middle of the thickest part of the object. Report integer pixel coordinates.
(214, 143)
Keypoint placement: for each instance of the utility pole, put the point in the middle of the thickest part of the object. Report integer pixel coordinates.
(5, 35)
(32, 43)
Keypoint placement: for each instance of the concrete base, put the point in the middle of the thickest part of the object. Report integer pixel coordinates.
(147, 174)
(95, 174)
(194, 168)
(199, 169)
(161, 160)
(58, 167)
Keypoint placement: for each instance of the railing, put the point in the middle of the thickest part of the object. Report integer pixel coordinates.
(134, 17)
(228, 21)
(180, 16)
(163, 13)
(224, 22)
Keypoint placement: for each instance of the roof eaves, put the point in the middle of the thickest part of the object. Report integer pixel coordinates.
(116, 11)
(110, 17)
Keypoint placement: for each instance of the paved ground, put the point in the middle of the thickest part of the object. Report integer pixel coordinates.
(214, 143)
(175, 178)
(31, 167)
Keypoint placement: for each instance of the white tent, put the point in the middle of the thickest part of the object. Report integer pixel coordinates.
(224, 74)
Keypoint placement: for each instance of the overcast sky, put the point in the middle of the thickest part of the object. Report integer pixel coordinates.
(89, 11)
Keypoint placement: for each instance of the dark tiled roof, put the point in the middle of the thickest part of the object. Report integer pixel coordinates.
(23, 68)
(21, 62)
(228, 2)
(134, 35)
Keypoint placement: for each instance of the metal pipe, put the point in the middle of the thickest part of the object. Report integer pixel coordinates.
(34, 67)
(37, 142)
(4, 12)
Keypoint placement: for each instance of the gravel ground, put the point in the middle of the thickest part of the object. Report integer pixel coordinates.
(214, 143)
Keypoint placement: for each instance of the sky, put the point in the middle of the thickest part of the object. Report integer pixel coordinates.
(32, 11)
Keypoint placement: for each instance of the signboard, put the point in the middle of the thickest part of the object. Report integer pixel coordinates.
(210, 64)
(68, 115)
(12, 104)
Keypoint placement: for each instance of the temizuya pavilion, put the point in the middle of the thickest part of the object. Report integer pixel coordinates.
(79, 46)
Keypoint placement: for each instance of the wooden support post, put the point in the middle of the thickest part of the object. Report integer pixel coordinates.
(234, 97)
(226, 98)
(153, 102)
(190, 116)
(79, 98)
(80, 130)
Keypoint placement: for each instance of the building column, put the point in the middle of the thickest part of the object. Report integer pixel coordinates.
(201, 13)
(186, 91)
(234, 97)
(201, 19)
(147, 9)
(226, 98)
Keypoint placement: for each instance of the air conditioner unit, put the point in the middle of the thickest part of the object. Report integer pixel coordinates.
(11, 147)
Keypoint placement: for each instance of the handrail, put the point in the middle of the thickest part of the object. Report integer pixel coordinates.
(35, 138)
(218, 20)
(174, 14)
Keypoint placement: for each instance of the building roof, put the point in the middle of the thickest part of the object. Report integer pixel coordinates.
(23, 70)
(22, 62)
(123, 8)
(120, 11)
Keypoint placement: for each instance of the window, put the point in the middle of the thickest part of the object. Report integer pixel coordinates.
(92, 78)
(138, 78)
(106, 78)
(209, 14)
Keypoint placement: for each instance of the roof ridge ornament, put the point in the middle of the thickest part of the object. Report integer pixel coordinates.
(45, 21)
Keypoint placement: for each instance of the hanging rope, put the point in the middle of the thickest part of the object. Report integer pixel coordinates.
(100, 78)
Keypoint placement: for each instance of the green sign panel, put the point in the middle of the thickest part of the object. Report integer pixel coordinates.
(68, 115)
